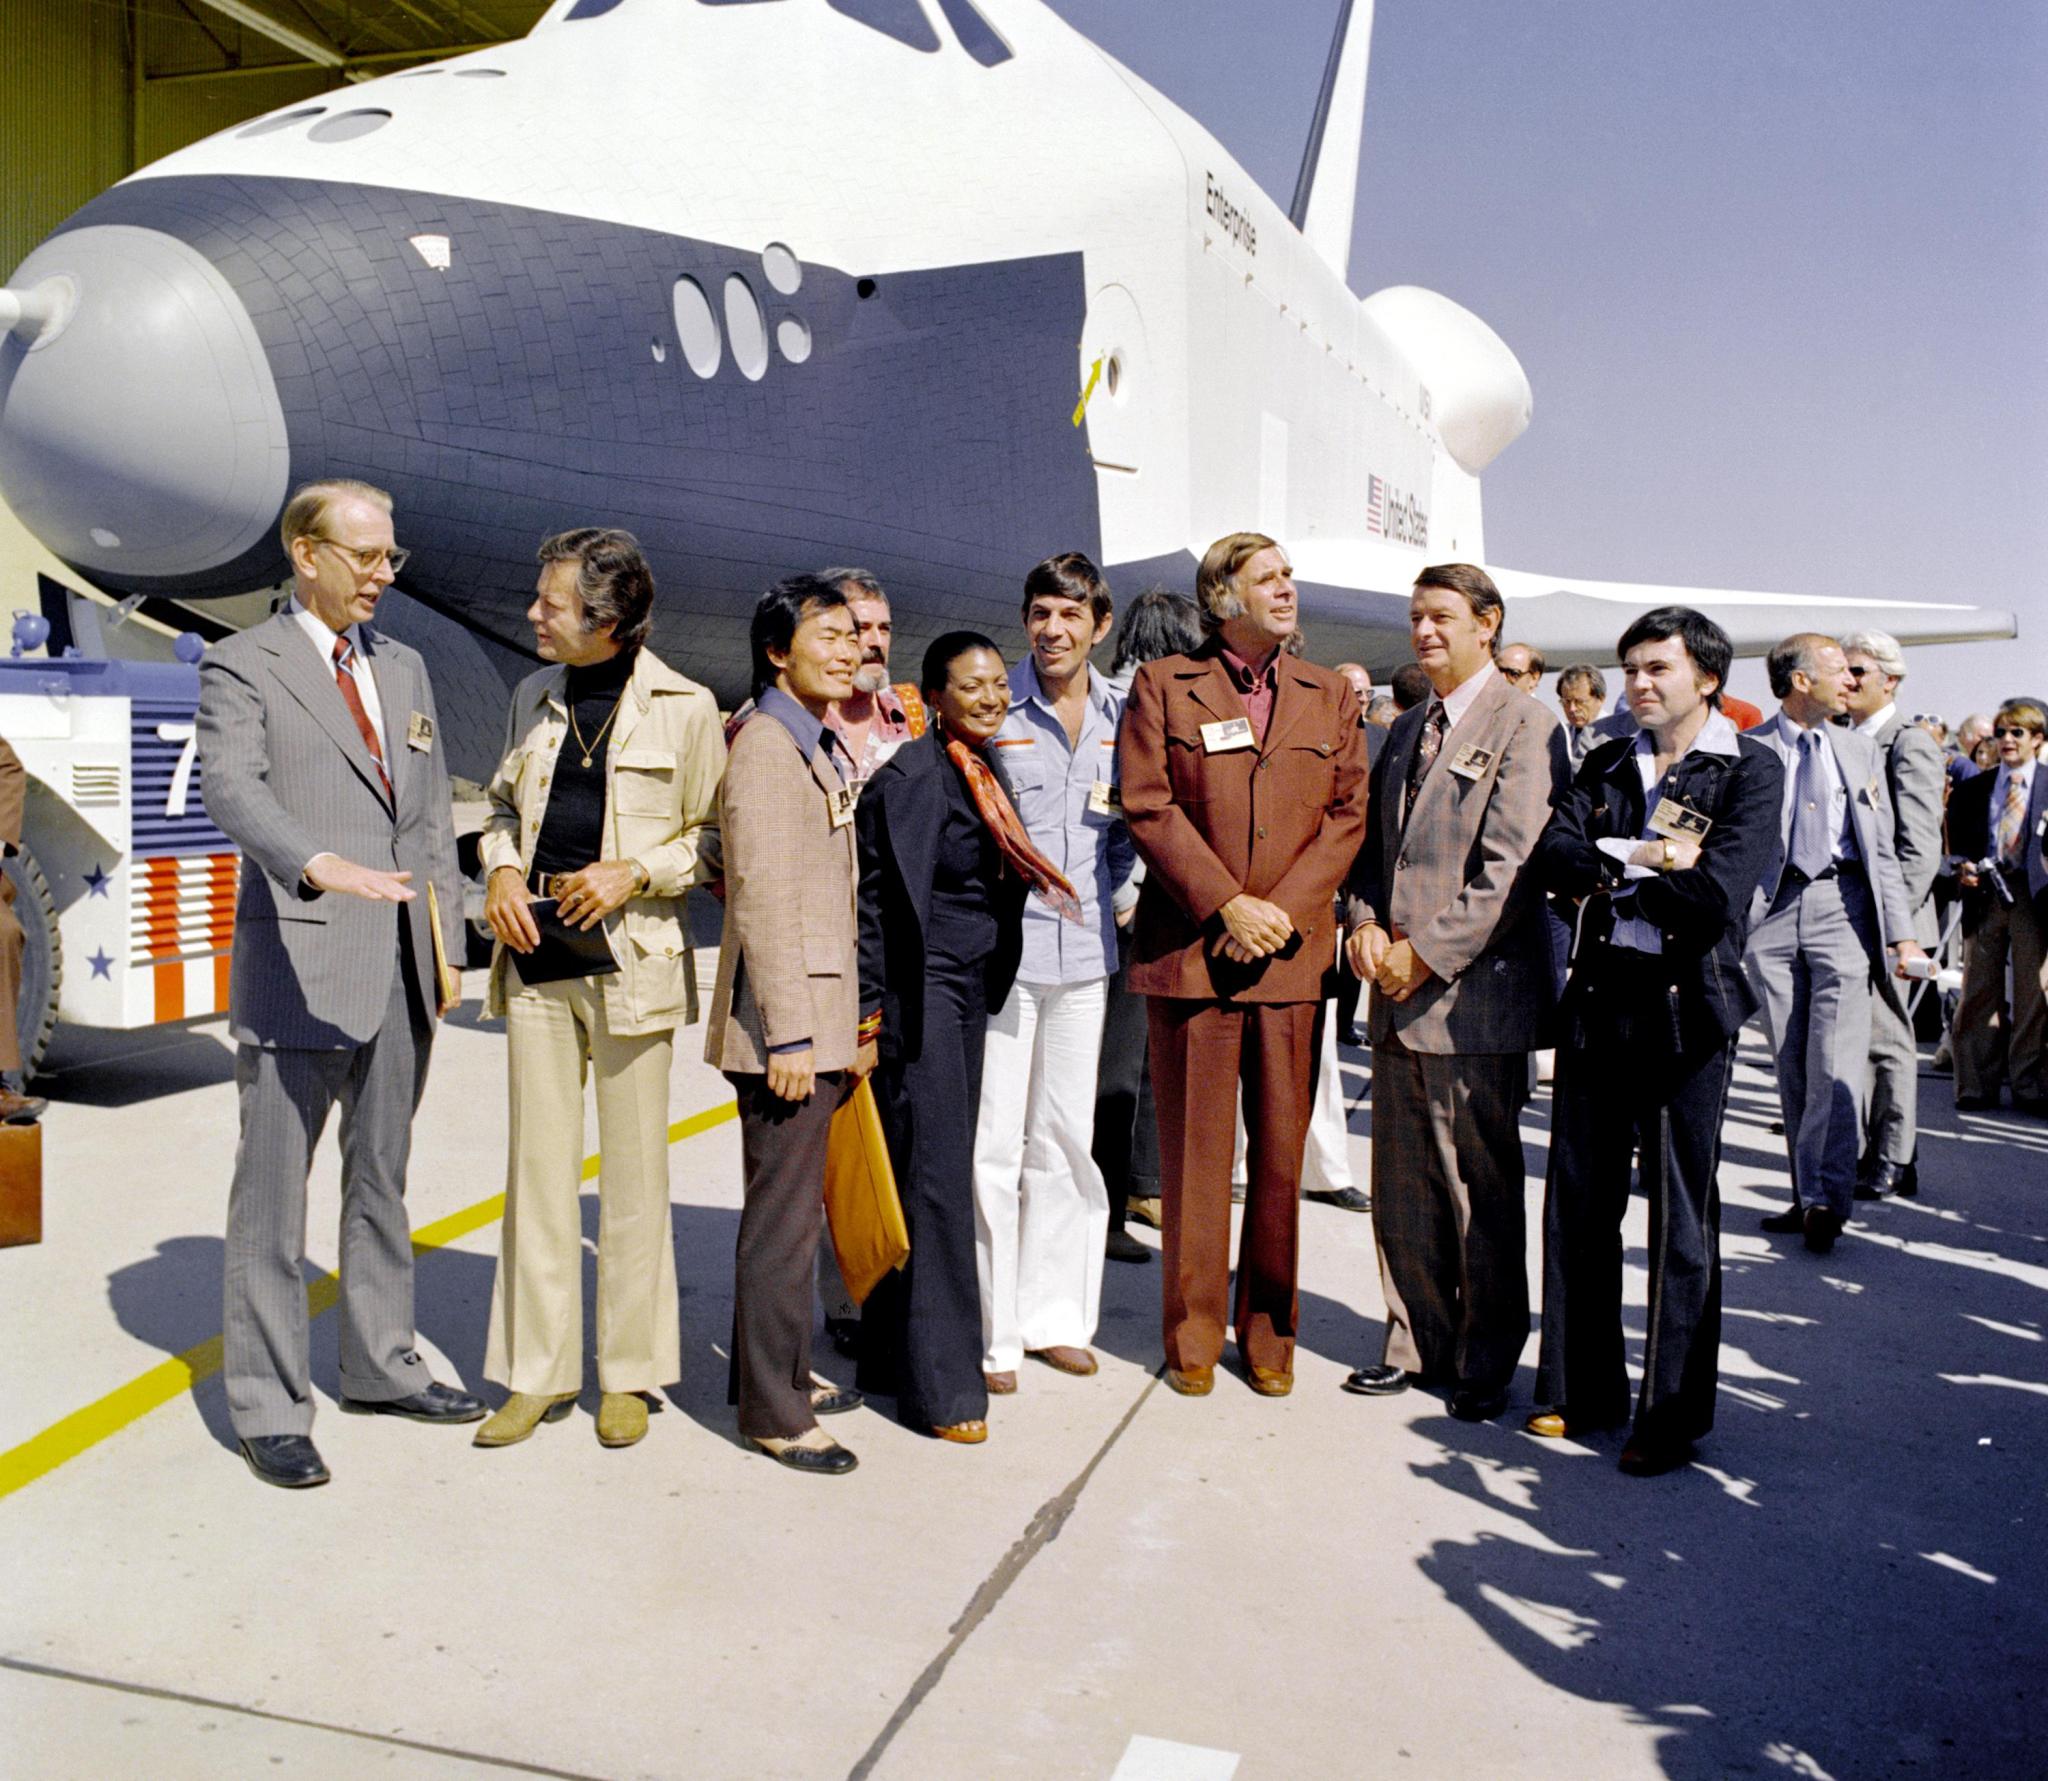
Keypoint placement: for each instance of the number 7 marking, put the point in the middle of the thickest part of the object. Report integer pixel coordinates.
(181, 774)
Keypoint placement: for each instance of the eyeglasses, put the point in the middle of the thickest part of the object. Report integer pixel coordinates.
(1859, 673)
(368, 562)
(2015, 731)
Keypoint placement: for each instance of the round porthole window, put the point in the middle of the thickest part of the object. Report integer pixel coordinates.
(782, 268)
(696, 326)
(348, 126)
(745, 328)
(794, 338)
(283, 121)
(1113, 372)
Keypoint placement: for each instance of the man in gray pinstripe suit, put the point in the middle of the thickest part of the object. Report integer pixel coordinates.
(322, 763)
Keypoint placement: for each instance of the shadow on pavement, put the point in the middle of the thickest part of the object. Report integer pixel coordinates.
(1846, 1580)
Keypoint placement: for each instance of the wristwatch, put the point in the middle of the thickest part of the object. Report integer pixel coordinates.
(643, 880)
(1670, 854)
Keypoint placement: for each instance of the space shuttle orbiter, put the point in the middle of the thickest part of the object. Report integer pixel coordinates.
(934, 286)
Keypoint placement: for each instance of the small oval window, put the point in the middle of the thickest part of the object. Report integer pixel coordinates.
(794, 338)
(782, 268)
(283, 121)
(696, 326)
(348, 126)
(745, 328)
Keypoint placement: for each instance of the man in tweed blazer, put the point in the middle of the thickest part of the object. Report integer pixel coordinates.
(323, 764)
(1448, 925)
(787, 1025)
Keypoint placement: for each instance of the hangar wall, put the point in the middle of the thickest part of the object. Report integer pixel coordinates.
(74, 117)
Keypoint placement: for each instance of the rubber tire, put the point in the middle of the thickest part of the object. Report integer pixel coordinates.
(42, 959)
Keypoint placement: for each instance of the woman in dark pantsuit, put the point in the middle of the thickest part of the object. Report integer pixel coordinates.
(944, 869)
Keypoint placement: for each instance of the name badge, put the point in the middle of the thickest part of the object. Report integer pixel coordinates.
(419, 732)
(841, 802)
(1228, 733)
(1675, 822)
(1105, 799)
(1471, 762)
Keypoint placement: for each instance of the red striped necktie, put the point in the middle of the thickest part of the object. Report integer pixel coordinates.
(345, 678)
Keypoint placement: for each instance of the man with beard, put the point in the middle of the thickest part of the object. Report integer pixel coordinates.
(879, 718)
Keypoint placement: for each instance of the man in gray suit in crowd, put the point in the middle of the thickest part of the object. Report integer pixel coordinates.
(1914, 775)
(1829, 909)
(1449, 926)
(322, 762)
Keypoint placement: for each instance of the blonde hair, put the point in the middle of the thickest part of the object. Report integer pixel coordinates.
(306, 512)
(1220, 563)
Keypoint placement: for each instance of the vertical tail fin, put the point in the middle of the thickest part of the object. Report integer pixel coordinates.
(1326, 194)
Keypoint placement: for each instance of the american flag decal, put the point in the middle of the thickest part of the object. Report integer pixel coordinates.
(1375, 506)
(182, 916)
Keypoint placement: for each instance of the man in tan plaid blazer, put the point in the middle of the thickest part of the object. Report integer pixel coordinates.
(1448, 926)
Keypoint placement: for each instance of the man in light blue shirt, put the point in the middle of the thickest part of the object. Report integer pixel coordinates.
(1041, 1209)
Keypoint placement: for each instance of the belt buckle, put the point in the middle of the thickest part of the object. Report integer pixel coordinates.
(557, 885)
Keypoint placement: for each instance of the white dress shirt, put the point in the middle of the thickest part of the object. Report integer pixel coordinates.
(1869, 726)
(1717, 736)
(316, 628)
(2024, 773)
(1459, 699)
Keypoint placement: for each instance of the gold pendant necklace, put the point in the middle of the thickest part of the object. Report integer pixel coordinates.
(590, 748)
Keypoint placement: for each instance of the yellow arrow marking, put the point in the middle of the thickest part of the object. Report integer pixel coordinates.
(1081, 407)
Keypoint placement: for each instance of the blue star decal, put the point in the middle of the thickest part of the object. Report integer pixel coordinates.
(102, 966)
(97, 881)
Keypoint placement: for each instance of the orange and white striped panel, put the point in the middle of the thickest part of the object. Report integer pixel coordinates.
(182, 930)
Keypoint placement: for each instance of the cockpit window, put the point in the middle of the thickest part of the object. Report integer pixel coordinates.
(589, 9)
(977, 36)
(903, 20)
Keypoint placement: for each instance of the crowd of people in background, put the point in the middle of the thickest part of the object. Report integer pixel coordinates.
(1093, 942)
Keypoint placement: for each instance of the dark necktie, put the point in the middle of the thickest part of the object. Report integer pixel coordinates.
(1812, 844)
(345, 678)
(1426, 748)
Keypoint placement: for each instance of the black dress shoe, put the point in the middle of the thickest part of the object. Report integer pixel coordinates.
(1477, 1403)
(1788, 1223)
(844, 1335)
(1652, 1459)
(1881, 1183)
(435, 1403)
(1351, 1038)
(291, 1462)
(834, 1400)
(1976, 1103)
(829, 1462)
(1822, 1228)
(1379, 1382)
(1121, 1246)
(1346, 1199)
(1909, 1180)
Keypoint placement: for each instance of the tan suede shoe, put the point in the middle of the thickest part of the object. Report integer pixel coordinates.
(521, 1414)
(621, 1418)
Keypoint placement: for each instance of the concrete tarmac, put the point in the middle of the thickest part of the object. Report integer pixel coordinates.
(1120, 1583)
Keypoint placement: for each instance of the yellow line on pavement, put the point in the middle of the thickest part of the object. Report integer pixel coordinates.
(67, 1438)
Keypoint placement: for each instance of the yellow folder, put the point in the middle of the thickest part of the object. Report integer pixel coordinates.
(861, 1202)
(446, 978)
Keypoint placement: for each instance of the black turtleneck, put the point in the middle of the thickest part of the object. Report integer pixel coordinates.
(572, 832)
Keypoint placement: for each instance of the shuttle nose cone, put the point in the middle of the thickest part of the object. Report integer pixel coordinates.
(140, 430)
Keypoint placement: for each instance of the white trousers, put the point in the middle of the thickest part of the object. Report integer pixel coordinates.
(1041, 1211)
(1326, 1157)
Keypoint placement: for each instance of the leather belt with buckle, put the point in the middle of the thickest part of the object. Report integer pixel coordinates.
(549, 884)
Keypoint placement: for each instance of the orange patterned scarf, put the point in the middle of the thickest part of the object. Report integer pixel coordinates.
(1047, 882)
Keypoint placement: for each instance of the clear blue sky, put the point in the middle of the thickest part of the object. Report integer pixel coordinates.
(1777, 269)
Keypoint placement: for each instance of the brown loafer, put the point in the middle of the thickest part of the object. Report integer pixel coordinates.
(967, 1433)
(1077, 1361)
(1268, 1382)
(1192, 1382)
(1000, 1385)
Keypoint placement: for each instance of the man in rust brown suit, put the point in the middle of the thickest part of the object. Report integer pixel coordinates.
(1243, 774)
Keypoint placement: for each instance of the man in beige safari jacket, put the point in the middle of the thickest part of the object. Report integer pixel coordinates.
(604, 811)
